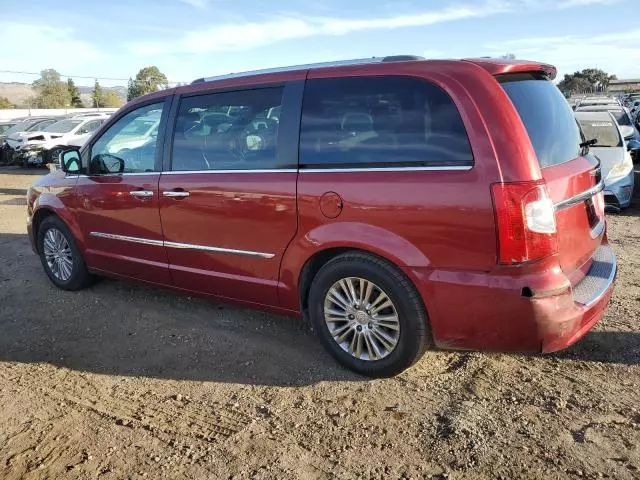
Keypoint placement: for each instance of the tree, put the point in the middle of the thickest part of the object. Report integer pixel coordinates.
(587, 80)
(51, 91)
(132, 90)
(76, 101)
(148, 79)
(96, 95)
(110, 99)
(5, 103)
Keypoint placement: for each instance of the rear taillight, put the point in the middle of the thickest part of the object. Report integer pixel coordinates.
(526, 221)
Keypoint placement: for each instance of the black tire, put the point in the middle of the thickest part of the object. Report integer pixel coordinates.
(415, 335)
(79, 278)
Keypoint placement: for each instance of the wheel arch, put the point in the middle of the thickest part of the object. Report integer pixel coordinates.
(308, 252)
(49, 204)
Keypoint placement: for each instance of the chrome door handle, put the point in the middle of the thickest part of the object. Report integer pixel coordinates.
(141, 193)
(174, 194)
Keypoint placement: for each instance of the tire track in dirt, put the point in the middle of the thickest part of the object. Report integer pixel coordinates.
(172, 415)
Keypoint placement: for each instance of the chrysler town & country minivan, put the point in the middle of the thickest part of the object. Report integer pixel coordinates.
(397, 204)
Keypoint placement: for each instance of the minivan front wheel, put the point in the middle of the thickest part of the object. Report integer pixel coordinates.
(60, 256)
(368, 315)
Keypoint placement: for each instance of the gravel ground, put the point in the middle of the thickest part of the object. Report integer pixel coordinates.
(123, 381)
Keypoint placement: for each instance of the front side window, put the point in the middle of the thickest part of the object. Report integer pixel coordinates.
(379, 122)
(227, 131)
(89, 127)
(128, 141)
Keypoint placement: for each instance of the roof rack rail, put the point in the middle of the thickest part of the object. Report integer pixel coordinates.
(309, 66)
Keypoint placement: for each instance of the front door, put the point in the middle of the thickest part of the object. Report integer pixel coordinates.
(119, 212)
(228, 202)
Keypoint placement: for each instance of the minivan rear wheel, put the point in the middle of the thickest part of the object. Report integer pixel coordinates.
(368, 315)
(60, 255)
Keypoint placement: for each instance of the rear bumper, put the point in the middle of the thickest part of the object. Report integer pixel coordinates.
(527, 311)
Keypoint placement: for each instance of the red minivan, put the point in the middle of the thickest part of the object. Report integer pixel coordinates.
(398, 204)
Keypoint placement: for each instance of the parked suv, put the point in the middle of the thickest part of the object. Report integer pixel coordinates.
(398, 204)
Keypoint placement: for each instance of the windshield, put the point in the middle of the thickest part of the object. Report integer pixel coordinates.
(63, 126)
(19, 127)
(605, 132)
(5, 126)
(546, 115)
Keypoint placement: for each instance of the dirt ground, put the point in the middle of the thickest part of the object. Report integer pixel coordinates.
(122, 381)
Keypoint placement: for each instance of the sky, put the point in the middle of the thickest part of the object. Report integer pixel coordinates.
(187, 39)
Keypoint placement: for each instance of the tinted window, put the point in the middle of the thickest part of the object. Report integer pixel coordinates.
(380, 121)
(136, 147)
(547, 117)
(227, 131)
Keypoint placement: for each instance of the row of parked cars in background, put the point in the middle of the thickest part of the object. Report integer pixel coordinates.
(612, 126)
(39, 140)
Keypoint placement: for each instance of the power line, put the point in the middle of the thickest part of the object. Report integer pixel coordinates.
(90, 77)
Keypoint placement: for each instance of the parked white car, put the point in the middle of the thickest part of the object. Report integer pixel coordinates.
(32, 147)
(133, 135)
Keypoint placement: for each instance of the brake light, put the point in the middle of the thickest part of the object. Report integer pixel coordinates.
(525, 220)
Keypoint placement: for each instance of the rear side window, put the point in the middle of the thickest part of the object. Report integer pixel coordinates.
(227, 131)
(547, 117)
(360, 122)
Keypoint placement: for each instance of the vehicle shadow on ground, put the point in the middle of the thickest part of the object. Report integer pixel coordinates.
(13, 170)
(122, 328)
(13, 191)
(605, 347)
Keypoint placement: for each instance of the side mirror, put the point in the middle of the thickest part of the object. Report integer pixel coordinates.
(633, 145)
(627, 131)
(105, 164)
(70, 161)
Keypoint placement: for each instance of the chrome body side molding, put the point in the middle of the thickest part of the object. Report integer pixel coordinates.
(184, 246)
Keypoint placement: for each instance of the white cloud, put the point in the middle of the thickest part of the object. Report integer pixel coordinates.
(584, 3)
(26, 45)
(196, 3)
(617, 53)
(250, 35)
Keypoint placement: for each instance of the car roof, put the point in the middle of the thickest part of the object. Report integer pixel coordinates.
(602, 116)
(386, 65)
(600, 108)
(600, 101)
(494, 66)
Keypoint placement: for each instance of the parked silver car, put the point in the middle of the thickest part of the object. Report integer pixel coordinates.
(627, 127)
(609, 146)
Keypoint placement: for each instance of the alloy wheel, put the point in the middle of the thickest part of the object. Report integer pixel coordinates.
(57, 253)
(361, 318)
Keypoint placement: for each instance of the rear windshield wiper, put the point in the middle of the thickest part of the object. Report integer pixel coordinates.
(588, 143)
